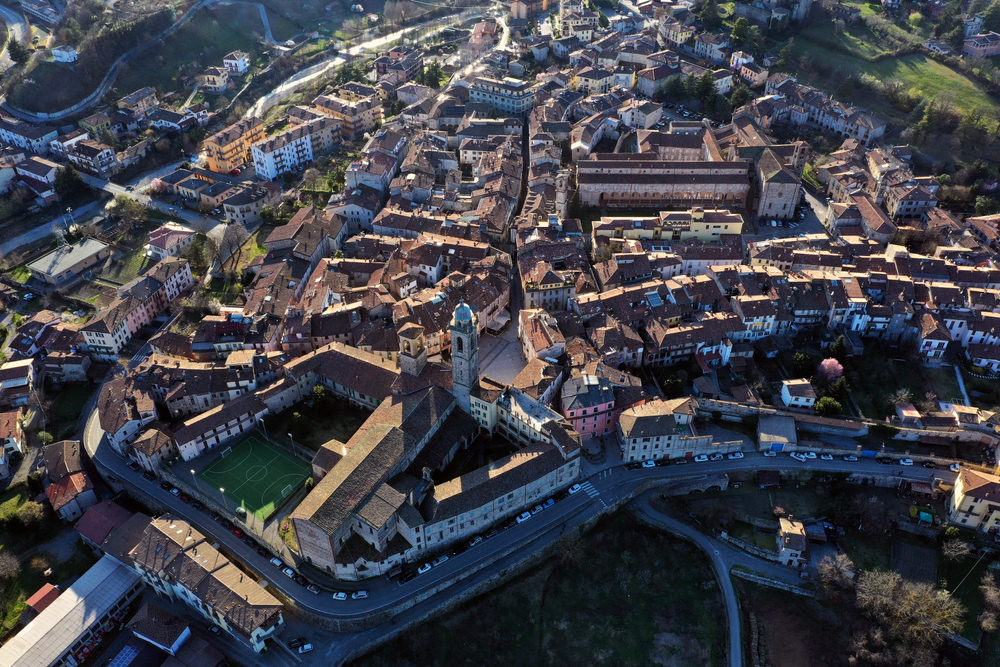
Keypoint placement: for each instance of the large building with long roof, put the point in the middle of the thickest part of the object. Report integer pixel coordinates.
(66, 631)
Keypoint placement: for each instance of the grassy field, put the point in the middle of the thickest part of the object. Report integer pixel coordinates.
(60, 82)
(875, 376)
(127, 267)
(747, 533)
(257, 475)
(14, 592)
(200, 43)
(622, 594)
(67, 404)
(20, 273)
(916, 71)
(961, 578)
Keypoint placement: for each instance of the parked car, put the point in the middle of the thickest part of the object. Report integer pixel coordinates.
(851, 457)
(826, 457)
(769, 453)
(133, 464)
(185, 498)
(573, 489)
(734, 455)
(313, 588)
(680, 462)
(247, 540)
(288, 572)
(524, 516)
(701, 458)
(649, 464)
(663, 462)
(955, 467)
(424, 569)
(214, 629)
(633, 465)
(475, 540)
(798, 457)
(905, 462)
(297, 642)
(359, 595)
(148, 475)
(536, 509)
(809, 455)
(261, 551)
(305, 648)
(340, 596)
(549, 503)
(715, 457)
(440, 560)
(236, 531)
(175, 491)
(197, 505)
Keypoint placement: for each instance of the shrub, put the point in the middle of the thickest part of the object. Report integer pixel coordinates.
(828, 406)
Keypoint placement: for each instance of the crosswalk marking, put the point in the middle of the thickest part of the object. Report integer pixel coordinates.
(589, 489)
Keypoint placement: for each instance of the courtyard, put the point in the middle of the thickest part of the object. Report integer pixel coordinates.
(317, 420)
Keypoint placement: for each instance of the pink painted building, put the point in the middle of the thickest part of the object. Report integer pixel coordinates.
(588, 402)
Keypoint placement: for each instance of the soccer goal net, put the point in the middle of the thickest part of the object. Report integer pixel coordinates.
(226, 451)
(287, 490)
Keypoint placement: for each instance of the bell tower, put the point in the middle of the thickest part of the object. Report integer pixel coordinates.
(562, 193)
(464, 353)
(412, 352)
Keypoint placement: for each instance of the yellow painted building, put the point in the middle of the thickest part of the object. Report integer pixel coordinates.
(975, 501)
(229, 148)
(696, 224)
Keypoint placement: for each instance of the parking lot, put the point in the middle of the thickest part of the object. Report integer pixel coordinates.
(809, 224)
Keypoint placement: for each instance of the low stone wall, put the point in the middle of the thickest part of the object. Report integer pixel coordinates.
(773, 583)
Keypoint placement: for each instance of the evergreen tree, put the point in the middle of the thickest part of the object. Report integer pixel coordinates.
(741, 95)
(708, 14)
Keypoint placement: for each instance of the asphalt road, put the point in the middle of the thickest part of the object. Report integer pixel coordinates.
(200, 222)
(610, 484)
(466, 570)
(17, 29)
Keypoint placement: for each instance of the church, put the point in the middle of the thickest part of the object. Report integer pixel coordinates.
(375, 504)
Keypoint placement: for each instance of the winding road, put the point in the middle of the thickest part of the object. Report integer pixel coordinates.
(17, 28)
(463, 572)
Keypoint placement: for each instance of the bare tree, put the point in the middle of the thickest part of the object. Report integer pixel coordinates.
(229, 245)
(915, 613)
(991, 592)
(10, 567)
(837, 571)
(901, 395)
(955, 549)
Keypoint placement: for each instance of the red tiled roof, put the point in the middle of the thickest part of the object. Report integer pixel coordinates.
(43, 597)
(66, 489)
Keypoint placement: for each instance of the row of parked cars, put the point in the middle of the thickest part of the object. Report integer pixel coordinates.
(427, 566)
(701, 458)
